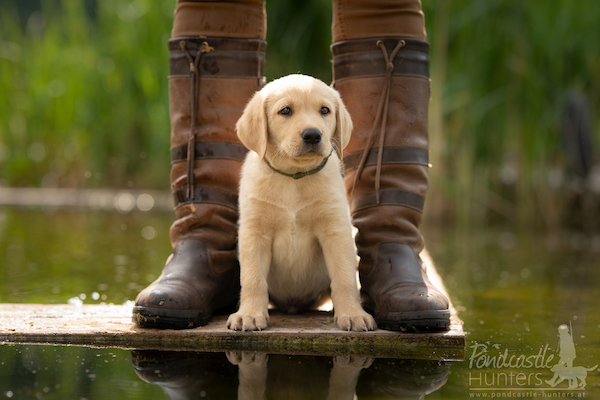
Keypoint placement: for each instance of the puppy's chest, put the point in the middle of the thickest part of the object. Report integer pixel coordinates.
(295, 225)
(296, 248)
(291, 199)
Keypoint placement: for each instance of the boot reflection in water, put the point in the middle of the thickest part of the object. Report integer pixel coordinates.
(380, 68)
(186, 375)
(189, 375)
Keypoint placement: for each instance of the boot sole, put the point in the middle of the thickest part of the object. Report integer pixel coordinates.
(414, 321)
(160, 318)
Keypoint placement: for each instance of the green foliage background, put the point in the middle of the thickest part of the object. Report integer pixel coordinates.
(84, 103)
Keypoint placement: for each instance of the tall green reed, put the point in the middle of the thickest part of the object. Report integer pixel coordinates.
(501, 75)
(84, 98)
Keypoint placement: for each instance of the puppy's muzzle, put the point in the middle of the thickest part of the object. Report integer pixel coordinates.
(311, 136)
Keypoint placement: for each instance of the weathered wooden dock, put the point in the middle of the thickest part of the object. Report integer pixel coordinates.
(311, 333)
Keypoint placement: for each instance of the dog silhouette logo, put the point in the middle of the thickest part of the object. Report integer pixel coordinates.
(564, 370)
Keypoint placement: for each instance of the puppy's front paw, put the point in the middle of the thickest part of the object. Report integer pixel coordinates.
(242, 321)
(358, 322)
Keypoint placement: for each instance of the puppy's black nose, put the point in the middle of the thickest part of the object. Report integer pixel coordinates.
(311, 136)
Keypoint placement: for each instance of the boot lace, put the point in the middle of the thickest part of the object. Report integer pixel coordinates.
(195, 87)
(381, 115)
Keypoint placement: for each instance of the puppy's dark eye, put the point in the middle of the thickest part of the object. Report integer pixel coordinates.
(285, 111)
(325, 110)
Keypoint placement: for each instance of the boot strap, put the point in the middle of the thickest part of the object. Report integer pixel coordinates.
(362, 58)
(210, 150)
(206, 195)
(387, 197)
(227, 58)
(391, 155)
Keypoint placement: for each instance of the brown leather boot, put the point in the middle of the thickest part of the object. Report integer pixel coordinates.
(384, 83)
(211, 80)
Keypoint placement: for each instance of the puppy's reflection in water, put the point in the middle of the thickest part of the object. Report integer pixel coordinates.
(252, 375)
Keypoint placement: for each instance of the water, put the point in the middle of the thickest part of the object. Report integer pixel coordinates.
(84, 373)
(513, 290)
(52, 256)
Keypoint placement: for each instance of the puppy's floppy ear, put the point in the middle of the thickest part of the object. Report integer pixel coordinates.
(252, 126)
(343, 128)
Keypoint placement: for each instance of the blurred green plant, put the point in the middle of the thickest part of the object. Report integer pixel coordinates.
(502, 72)
(84, 100)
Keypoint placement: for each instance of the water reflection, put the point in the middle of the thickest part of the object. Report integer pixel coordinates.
(254, 375)
(65, 372)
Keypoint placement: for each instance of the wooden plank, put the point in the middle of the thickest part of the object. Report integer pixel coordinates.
(308, 333)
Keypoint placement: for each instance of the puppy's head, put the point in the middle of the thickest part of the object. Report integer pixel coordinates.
(296, 120)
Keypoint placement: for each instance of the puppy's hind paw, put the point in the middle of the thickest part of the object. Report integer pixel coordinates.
(244, 322)
(357, 323)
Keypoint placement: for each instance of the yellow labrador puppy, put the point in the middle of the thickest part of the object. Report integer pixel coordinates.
(295, 238)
